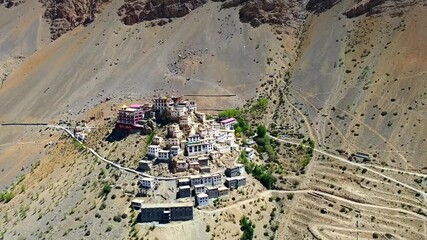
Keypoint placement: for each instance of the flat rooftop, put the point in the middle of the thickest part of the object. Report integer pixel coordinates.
(137, 200)
(146, 179)
(229, 120)
(167, 205)
(235, 178)
(200, 195)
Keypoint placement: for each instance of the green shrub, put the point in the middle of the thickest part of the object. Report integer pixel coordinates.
(6, 196)
(247, 227)
(117, 218)
(106, 189)
(229, 113)
(261, 131)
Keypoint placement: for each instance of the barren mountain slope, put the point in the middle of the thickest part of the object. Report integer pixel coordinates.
(22, 30)
(362, 83)
(192, 54)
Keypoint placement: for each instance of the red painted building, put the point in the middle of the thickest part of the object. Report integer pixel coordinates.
(129, 117)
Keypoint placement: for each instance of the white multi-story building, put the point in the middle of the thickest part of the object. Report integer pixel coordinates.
(198, 149)
(153, 150)
(216, 179)
(211, 180)
(195, 180)
(146, 182)
(163, 155)
(199, 188)
(193, 139)
(173, 142)
(207, 180)
(202, 199)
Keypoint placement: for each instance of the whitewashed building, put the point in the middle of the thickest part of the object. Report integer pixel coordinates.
(146, 182)
(202, 199)
(216, 179)
(199, 188)
(173, 142)
(199, 148)
(193, 139)
(163, 155)
(153, 150)
(207, 180)
(195, 180)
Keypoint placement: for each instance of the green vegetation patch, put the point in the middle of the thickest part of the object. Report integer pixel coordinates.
(6, 196)
(260, 172)
(247, 227)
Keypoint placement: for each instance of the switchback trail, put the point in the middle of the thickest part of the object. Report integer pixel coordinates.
(324, 194)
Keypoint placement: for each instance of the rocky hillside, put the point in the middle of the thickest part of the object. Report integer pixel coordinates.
(66, 15)
(134, 11)
(370, 7)
(365, 7)
(276, 12)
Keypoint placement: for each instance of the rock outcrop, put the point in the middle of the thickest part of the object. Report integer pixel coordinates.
(136, 11)
(319, 6)
(362, 7)
(65, 15)
(10, 3)
(370, 7)
(276, 12)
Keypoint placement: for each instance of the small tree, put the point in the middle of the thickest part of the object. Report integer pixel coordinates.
(261, 131)
(247, 227)
(106, 189)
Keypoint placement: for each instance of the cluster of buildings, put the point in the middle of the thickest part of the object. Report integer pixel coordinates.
(201, 187)
(205, 142)
(211, 186)
(190, 142)
(175, 108)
